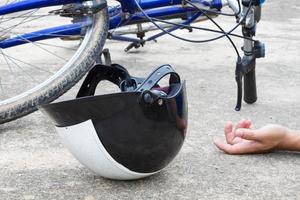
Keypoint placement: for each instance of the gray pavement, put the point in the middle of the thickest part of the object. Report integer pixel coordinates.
(34, 164)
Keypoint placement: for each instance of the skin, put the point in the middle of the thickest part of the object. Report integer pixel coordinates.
(241, 139)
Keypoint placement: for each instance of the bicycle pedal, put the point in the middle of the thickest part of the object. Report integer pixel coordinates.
(135, 45)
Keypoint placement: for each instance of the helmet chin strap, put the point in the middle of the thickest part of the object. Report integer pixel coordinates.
(119, 76)
(159, 73)
(115, 73)
(152, 97)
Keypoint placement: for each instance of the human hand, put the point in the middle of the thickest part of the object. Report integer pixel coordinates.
(241, 139)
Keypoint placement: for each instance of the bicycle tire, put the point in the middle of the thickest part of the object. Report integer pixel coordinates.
(63, 79)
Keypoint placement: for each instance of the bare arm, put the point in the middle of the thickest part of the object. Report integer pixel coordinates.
(291, 142)
(241, 139)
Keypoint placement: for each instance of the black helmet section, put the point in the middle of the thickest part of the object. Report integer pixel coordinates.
(114, 73)
(142, 128)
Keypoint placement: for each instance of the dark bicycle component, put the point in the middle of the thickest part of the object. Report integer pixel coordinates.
(245, 67)
(90, 27)
(127, 135)
(135, 45)
(253, 2)
(79, 10)
(104, 58)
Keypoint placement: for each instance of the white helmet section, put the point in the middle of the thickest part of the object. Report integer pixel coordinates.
(83, 142)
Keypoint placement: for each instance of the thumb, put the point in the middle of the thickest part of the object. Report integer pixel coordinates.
(247, 134)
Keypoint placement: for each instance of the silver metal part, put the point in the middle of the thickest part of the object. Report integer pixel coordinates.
(250, 19)
(249, 23)
(233, 4)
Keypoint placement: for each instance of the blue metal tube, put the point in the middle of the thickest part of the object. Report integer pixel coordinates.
(32, 4)
(162, 12)
(59, 31)
(117, 20)
(124, 38)
(75, 29)
(148, 4)
(128, 39)
(130, 5)
(193, 18)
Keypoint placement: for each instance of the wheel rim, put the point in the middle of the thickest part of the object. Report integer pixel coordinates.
(34, 69)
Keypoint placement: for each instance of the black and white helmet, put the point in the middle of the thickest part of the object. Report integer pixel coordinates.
(127, 135)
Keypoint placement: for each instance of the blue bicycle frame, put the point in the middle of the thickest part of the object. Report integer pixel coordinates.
(154, 8)
(130, 13)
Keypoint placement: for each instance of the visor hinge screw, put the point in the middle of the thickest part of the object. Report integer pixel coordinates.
(160, 102)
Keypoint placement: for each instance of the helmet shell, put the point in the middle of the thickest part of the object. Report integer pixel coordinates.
(126, 135)
(118, 137)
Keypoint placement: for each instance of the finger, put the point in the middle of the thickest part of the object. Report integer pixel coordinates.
(229, 135)
(220, 144)
(242, 124)
(241, 148)
(247, 124)
(225, 147)
(247, 134)
(237, 140)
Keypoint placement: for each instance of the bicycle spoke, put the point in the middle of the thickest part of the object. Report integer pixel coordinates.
(17, 33)
(22, 22)
(43, 48)
(52, 34)
(7, 1)
(29, 64)
(29, 75)
(7, 19)
(10, 69)
(19, 16)
(1, 88)
(53, 45)
(26, 18)
(19, 67)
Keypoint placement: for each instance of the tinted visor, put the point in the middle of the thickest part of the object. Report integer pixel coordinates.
(143, 137)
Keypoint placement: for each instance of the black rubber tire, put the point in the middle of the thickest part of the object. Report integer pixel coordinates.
(64, 79)
(250, 91)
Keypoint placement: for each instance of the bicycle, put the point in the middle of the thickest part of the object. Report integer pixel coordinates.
(81, 27)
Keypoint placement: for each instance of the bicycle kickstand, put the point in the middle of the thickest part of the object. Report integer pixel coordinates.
(104, 57)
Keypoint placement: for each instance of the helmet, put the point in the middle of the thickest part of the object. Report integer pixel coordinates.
(126, 135)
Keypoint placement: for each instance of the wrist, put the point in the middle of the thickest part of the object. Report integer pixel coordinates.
(290, 141)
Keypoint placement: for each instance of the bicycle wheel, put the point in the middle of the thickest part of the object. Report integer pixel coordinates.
(38, 72)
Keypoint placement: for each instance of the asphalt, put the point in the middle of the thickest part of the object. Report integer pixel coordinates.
(35, 165)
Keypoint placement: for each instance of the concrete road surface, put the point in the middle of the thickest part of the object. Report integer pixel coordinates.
(35, 165)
